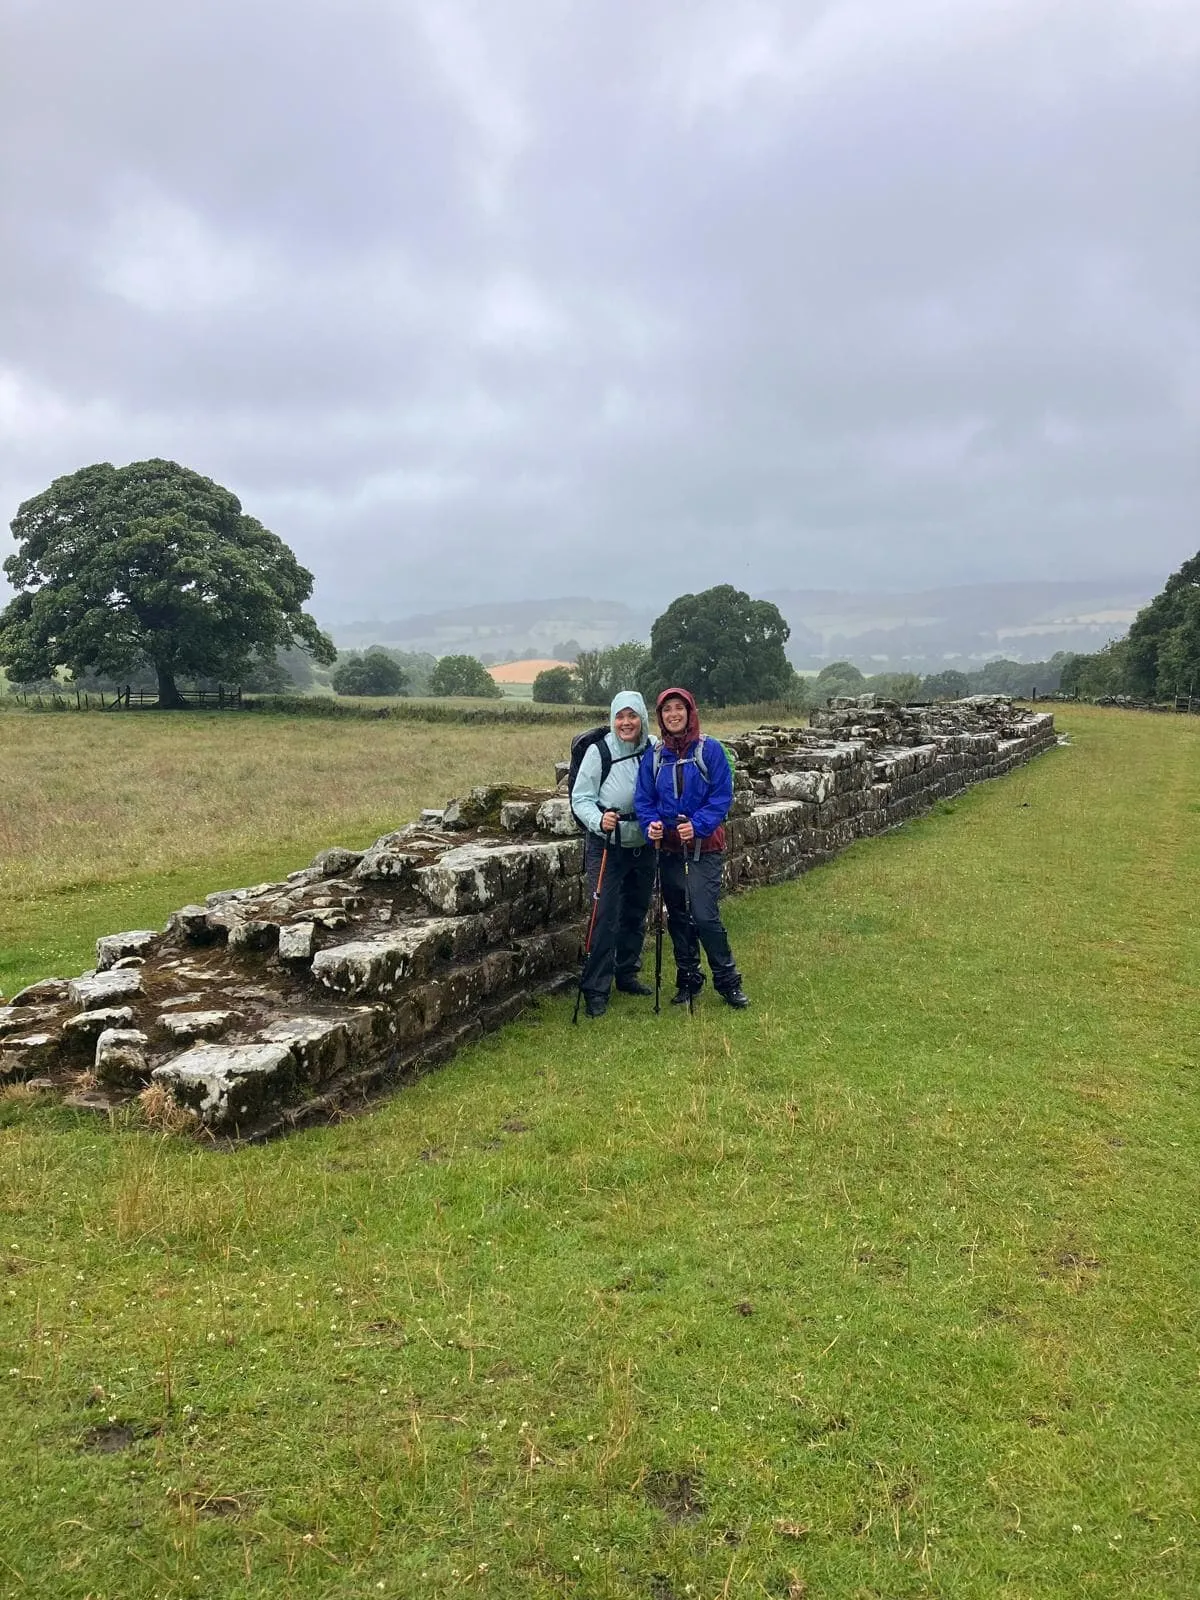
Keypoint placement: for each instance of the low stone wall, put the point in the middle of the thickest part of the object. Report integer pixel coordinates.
(280, 1003)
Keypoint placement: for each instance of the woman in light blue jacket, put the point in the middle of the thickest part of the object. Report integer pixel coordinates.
(602, 800)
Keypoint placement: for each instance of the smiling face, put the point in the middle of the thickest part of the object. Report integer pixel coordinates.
(628, 725)
(674, 714)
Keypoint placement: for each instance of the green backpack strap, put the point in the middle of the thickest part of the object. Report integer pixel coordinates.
(703, 765)
(698, 758)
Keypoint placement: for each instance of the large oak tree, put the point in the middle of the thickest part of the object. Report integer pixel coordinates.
(150, 565)
(723, 646)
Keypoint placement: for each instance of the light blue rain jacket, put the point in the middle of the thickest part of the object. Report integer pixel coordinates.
(591, 799)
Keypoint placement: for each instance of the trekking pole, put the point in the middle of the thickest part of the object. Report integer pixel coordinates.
(658, 926)
(687, 896)
(587, 944)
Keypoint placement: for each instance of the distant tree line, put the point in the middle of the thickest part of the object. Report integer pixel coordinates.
(152, 575)
(380, 671)
(1017, 678)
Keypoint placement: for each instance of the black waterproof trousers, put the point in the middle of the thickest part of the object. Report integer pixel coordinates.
(703, 927)
(620, 925)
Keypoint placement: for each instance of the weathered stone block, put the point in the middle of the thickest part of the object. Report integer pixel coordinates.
(297, 941)
(480, 806)
(48, 991)
(335, 861)
(322, 1046)
(227, 1084)
(121, 1060)
(376, 965)
(431, 997)
(83, 1031)
(115, 946)
(518, 816)
(779, 818)
(257, 891)
(253, 935)
(474, 876)
(555, 816)
(104, 987)
(183, 1026)
(385, 861)
(190, 923)
(22, 1019)
(21, 1056)
(567, 895)
(813, 786)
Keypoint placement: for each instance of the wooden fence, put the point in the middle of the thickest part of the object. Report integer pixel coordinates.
(222, 698)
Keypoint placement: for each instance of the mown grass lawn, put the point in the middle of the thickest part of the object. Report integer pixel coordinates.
(886, 1287)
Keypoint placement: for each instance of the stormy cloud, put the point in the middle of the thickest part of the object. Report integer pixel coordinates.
(471, 301)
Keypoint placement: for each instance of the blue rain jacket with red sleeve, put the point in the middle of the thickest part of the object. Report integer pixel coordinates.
(680, 789)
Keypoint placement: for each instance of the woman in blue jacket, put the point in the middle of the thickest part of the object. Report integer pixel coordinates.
(684, 791)
(602, 800)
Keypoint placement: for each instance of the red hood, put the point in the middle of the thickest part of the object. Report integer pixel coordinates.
(679, 742)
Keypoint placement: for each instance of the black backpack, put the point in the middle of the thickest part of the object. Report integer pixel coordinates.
(580, 745)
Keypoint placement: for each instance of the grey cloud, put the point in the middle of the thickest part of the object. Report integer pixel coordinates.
(462, 298)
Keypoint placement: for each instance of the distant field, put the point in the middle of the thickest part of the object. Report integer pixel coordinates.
(882, 1290)
(524, 672)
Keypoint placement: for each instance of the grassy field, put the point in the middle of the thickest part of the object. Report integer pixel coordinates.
(885, 1288)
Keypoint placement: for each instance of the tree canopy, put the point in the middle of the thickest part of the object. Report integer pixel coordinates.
(150, 565)
(838, 678)
(949, 684)
(554, 686)
(600, 674)
(376, 671)
(723, 646)
(1163, 649)
(464, 675)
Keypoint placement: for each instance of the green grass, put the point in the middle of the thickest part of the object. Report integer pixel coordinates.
(885, 1288)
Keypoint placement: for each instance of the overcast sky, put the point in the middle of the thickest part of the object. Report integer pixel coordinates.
(475, 299)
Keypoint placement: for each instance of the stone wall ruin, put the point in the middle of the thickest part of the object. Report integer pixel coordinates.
(282, 1003)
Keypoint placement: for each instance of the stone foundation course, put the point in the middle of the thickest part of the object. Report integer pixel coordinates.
(282, 1003)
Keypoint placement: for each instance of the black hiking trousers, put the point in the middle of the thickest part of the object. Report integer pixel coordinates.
(620, 925)
(704, 926)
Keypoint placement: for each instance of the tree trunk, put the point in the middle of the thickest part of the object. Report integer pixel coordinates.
(169, 697)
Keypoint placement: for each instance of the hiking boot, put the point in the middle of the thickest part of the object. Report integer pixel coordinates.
(595, 1005)
(633, 985)
(687, 986)
(737, 998)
